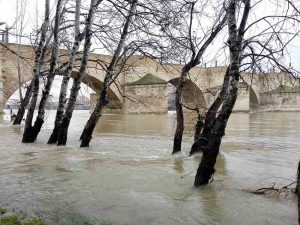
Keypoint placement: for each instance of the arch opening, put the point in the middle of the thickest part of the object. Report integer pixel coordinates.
(192, 96)
(90, 86)
(253, 100)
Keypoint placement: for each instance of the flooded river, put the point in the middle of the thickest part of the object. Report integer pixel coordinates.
(128, 176)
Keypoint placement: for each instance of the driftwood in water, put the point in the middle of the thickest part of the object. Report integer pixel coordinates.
(273, 190)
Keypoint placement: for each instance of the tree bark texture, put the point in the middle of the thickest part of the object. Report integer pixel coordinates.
(179, 116)
(195, 60)
(210, 117)
(67, 74)
(206, 167)
(28, 130)
(53, 62)
(60, 109)
(102, 101)
(65, 122)
(23, 105)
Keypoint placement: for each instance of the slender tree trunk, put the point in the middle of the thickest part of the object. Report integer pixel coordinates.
(198, 127)
(64, 125)
(66, 78)
(60, 109)
(102, 101)
(53, 62)
(210, 117)
(179, 117)
(23, 105)
(185, 70)
(28, 130)
(86, 135)
(206, 167)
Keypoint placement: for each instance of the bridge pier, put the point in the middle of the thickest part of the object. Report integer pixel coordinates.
(146, 95)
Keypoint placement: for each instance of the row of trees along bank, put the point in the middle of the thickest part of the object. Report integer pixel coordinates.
(185, 32)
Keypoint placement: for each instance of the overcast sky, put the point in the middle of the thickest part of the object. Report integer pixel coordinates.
(34, 13)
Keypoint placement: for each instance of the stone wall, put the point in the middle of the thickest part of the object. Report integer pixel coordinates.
(280, 101)
(201, 80)
(242, 103)
(146, 99)
(1, 84)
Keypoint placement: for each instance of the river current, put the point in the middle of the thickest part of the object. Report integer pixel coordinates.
(128, 175)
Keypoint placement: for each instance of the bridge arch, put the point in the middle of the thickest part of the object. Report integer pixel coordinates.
(192, 96)
(92, 82)
(247, 99)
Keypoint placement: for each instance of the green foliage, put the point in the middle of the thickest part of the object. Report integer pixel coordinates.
(15, 220)
(10, 220)
(35, 221)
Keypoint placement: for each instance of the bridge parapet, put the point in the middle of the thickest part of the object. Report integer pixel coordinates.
(201, 80)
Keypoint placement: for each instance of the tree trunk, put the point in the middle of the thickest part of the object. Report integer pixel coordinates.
(179, 117)
(198, 128)
(23, 105)
(64, 125)
(206, 167)
(86, 135)
(60, 109)
(28, 130)
(210, 153)
(185, 70)
(102, 101)
(210, 117)
(66, 78)
(53, 62)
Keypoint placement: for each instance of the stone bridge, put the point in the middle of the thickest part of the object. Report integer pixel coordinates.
(148, 86)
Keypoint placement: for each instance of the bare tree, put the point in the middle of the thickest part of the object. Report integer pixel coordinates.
(67, 74)
(28, 130)
(194, 61)
(53, 63)
(262, 46)
(102, 101)
(65, 122)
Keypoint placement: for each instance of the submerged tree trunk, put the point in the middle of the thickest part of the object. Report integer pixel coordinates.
(210, 153)
(102, 101)
(185, 70)
(66, 77)
(198, 127)
(23, 105)
(60, 109)
(86, 135)
(54, 59)
(210, 117)
(64, 125)
(28, 130)
(206, 167)
(179, 117)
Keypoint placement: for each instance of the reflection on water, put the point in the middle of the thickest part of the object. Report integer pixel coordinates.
(127, 176)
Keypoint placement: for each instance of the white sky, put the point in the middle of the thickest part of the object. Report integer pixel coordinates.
(34, 13)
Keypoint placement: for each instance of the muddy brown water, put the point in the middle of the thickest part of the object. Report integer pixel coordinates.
(128, 176)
